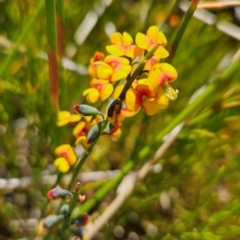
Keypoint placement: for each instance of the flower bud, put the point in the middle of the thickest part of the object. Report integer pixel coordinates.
(87, 110)
(64, 209)
(115, 109)
(80, 220)
(58, 192)
(52, 220)
(79, 233)
(94, 133)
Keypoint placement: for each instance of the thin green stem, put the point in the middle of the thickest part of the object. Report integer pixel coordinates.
(181, 29)
(51, 23)
(172, 5)
(26, 28)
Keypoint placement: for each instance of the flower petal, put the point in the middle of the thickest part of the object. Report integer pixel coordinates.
(116, 50)
(121, 73)
(92, 95)
(152, 33)
(116, 38)
(61, 164)
(127, 39)
(106, 91)
(161, 52)
(142, 41)
(133, 100)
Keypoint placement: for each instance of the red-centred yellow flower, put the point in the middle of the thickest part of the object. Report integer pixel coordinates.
(66, 157)
(112, 68)
(151, 62)
(65, 117)
(160, 73)
(98, 56)
(154, 105)
(122, 45)
(153, 38)
(101, 90)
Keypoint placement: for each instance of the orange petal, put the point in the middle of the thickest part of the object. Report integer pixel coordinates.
(62, 148)
(78, 130)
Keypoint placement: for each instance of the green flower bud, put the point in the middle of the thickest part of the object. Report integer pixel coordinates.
(87, 110)
(52, 220)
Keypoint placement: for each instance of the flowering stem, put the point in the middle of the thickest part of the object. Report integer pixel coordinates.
(102, 192)
(52, 50)
(137, 71)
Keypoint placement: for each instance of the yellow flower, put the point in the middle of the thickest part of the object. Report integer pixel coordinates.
(65, 117)
(122, 45)
(160, 73)
(66, 157)
(113, 68)
(101, 90)
(153, 38)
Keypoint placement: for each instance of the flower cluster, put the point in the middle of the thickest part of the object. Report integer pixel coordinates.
(75, 225)
(150, 89)
(133, 76)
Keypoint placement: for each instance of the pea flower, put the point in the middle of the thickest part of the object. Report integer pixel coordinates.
(67, 157)
(65, 117)
(153, 38)
(113, 68)
(101, 90)
(122, 45)
(161, 73)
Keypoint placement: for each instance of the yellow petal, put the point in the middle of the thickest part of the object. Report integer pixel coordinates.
(152, 33)
(142, 41)
(117, 134)
(106, 91)
(61, 164)
(116, 38)
(161, 39)
(161, 52)
(116, 50)
(92, 95)
(75, 117)
(63, 118)
(161, 99)
(102, 70)
(117, 91)
(121, 73)
(169, 71)
(133, 101)
(83, 141)
(78, 130)
(127, 39)
(149, 106)
(62, 148)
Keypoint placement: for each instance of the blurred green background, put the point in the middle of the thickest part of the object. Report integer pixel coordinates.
(192, 191)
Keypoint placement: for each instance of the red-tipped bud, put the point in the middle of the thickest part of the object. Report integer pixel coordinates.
(58, 192)
(52, 220)
(80, 221)
(87, 110)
